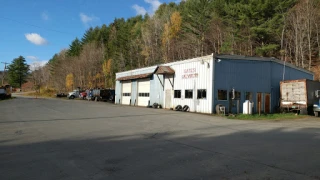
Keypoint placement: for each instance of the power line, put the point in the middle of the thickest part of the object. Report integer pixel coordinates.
(36, 26)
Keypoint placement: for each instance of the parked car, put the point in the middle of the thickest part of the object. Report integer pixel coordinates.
(61, 95)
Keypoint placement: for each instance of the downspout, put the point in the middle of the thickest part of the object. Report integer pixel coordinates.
(213, 81)
(271, 89)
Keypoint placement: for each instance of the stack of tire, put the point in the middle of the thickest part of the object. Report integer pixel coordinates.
(185, 108)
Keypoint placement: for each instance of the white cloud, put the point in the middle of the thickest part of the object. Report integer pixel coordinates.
(36, 39)
(139, 9)
(36, 63)
(45, 16)
(86, 19)
(33, 58)
(153, 6)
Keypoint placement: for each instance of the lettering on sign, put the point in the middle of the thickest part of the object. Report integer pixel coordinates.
(191, 70)
(190, 73)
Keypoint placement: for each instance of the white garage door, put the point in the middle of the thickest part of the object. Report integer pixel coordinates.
(126, 92)
(143, 92)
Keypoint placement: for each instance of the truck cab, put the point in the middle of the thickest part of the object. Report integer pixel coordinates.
(74, 94)
(316, 106)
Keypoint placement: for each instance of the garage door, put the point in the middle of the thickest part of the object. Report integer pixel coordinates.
(126, 92)
(143, 92)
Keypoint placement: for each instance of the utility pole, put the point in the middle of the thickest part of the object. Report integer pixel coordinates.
(4, 71)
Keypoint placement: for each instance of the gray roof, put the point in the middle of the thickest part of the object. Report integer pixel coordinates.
(252, 58)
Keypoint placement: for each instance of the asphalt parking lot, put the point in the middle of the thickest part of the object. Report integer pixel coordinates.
(73, 139)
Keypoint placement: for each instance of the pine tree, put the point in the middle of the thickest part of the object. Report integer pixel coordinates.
(18, 72)
(75, 48)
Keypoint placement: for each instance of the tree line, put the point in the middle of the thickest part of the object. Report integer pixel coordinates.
(286, 29)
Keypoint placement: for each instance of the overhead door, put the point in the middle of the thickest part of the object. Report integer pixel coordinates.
(143, 92)
(126, 92)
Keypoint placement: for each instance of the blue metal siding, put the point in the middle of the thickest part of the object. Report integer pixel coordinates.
(156, 90)
(254, 77)
(244, 76)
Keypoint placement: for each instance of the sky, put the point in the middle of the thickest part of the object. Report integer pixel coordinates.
(37, 29)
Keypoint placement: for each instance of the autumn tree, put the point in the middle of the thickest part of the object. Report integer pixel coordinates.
(170, 35)
(107, 71)
(69, 81)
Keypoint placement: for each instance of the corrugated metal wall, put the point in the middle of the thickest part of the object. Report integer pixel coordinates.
(134, 92)
(255, 76)
(252, 76)
(244, 76)
(118, 91)
(156, 92)
(193, 75)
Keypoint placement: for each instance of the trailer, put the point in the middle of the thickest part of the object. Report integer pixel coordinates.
(299, 96)
(103, 95)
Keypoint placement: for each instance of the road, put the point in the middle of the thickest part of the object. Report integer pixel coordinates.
(72, 139)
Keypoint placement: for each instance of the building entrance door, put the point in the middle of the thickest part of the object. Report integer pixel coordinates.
(259, 105)
(267, 103)
(168, 99)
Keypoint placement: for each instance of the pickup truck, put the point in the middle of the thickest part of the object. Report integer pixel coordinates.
(83, 95)
(73, 94)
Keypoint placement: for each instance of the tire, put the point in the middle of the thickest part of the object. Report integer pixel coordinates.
(185, 108)
(155, 105)
(178, 108)
(316, 113)
(71, 97)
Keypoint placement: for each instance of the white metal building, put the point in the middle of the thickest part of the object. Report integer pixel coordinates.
(187, 82)
(202, 83)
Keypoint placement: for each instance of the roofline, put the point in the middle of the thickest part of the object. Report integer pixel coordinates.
(170, 63)
(220, 56)
(253, 58)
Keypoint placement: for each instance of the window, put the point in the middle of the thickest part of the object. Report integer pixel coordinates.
(188, 94)
(144, 94)
(249, 96)
(202, 94)
(126, 94)
(222, 95)
(237, 95)
(177, 93)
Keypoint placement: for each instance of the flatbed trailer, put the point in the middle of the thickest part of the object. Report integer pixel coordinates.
(299, 95)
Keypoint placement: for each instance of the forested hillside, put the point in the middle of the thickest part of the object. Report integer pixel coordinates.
(286, 29)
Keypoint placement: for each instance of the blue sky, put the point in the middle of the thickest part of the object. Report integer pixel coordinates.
(37, 29)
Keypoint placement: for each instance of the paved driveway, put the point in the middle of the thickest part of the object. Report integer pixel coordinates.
(65, 139)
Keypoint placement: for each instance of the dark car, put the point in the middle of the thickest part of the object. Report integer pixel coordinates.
(61, 95)
(107, 95)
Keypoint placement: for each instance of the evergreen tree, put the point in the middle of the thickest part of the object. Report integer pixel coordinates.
(18, 72)
(75, 48)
